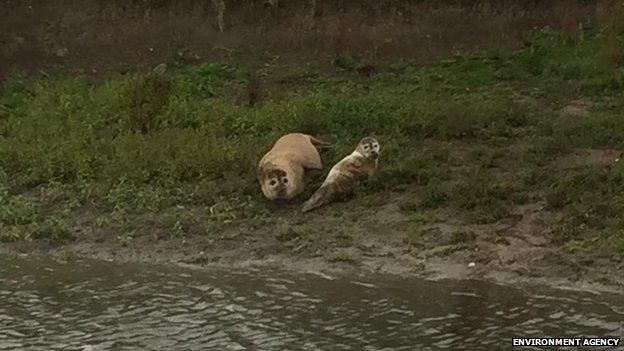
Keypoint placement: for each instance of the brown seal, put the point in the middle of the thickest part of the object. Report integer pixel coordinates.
(281, 171)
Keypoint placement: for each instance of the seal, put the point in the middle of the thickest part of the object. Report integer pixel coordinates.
(345, 175)
(281, 171)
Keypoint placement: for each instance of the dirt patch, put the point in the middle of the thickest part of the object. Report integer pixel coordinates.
(576, 109)
(588, 157)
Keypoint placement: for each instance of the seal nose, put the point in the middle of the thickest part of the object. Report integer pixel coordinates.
(280, 190)
(374, 154)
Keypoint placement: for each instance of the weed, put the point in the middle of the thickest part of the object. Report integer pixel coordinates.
(54, 228)
(415, 233)
(64, 256)
(343, 255)
(126, 238)
(296, 237)
(462, 237)
(12, 233)
(343, 235)
(103, 221)
(497, 237)
(435, 194)
(207, 80)
(148, 96)
(484, 200)
(226, 211)
(180, 220)
(410, 205)
(346, 61)
(125, 197)
(17, 209)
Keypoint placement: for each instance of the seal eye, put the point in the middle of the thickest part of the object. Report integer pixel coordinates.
(272, 182)
(365, 147)
(285, 181)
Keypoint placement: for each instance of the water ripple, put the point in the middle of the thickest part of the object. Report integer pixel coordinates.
(93, 306)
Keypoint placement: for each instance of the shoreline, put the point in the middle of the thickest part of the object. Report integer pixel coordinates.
(187, 253)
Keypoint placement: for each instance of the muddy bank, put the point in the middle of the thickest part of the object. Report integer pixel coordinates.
(98, 36)
(517, 250)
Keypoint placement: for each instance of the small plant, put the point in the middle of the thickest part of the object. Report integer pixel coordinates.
(574, 245)
(4, 177)
(103, 221)
(346, 61)
(180, 220)
(435, 195)
(64, 256)
(343, 255)
(148, 96)
(410, 205)
(208, 80)
(179, 228)
(462, 237)
(297, 237)
(487, 214)
(126, 238)
(228, 210)
(13, 233)
(343, 235)
(497, 237)
(54, 228)
(18, 209)
(126, 197)
(414, 234)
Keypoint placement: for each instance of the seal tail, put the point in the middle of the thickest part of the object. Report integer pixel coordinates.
(319, 143)
(322, 196)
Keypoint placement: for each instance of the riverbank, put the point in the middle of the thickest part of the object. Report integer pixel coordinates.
(494, 165)
(509, 252)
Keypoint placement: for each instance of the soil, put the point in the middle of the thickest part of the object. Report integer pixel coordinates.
(97, 36)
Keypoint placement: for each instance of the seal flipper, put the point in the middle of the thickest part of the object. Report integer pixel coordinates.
(322, 196)
(319, 143)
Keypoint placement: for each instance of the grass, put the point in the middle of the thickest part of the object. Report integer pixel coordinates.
(126, 238)
(296, 237)
(478, 133)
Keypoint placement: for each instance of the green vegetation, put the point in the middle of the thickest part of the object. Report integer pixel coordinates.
(479, 134)
(296, 237)
(126, 238)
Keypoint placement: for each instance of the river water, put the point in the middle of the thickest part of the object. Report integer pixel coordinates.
(92, 305)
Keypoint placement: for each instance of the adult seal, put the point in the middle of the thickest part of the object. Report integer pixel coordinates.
(281, 171)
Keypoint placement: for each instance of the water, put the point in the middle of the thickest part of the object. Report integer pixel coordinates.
(90, 305)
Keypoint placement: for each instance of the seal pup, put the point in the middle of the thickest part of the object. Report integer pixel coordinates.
(281, 171)
(344, 176)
